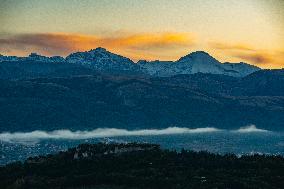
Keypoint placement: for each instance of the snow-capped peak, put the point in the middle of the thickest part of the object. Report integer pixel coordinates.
(199, 56)
(97, 55)
(196, 62)
(103, 60)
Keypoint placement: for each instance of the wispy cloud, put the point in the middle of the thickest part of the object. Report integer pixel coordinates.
(149, 46)
(230, 46)
(265, 58)
(65, 43)
(256, 58)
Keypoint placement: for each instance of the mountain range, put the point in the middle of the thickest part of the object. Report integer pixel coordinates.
(101, 60)
(97, 89)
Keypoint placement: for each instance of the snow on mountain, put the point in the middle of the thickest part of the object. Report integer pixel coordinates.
(57, 59)
(40, 58)
(242, 69)
(156, 68)
(32, 57)
(103, 60)
(196, 62)
(201, 62)
(8, 58)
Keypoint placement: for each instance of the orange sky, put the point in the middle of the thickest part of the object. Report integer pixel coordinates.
(246, 30)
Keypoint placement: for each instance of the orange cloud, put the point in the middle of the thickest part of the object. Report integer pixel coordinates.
(268, 58)
(256, 58)
(63, 44)
(229, 46)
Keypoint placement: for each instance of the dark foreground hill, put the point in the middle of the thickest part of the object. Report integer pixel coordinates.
(135, 166)
(138, 102)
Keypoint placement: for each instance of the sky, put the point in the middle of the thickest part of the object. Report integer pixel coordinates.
(250, 31)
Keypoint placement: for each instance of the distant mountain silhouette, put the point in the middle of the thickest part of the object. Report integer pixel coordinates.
(197, 62)
(101, 60)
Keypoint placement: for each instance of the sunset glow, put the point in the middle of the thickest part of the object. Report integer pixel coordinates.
(251, 31)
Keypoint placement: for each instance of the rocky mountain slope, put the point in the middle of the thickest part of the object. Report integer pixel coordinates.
(102, 60)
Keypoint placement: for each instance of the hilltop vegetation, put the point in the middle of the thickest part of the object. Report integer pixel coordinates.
(143, 166)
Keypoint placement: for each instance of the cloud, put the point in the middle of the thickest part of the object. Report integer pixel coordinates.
(65, 43)
(97, 133)
(265, 58)
(157, 41)
(230, 46)
(36, 136)
(256, 58)
(250, 129)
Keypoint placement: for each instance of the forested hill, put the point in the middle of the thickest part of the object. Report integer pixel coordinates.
(134, 166)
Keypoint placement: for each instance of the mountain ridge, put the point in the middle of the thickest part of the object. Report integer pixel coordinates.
(103, 60)
(199, 62)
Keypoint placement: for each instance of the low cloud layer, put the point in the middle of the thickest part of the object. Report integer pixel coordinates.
(112, 132)
(97, 133)
(250, 129)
